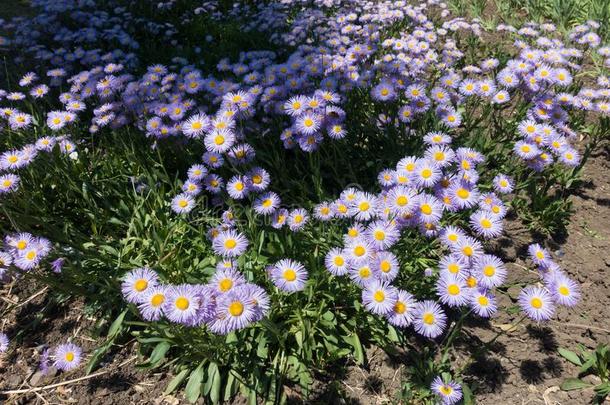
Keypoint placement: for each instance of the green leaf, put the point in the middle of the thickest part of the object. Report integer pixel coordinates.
(212, 371)
(158, 354)
(354, 341)
(570, 356)
(115, 328)
(574, 384)
(468, 397)
(97, 356)
(175, 382)
(193, 386)
(229, 387)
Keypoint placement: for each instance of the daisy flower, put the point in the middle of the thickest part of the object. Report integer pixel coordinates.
(429, 320)
(67, 356)
(136, 284)
(379, 297)
(181, 304)
(565, 291)
(336, 262)
(537, 303)
(297, 219)
(183, 203)
(401, 314)
(386, 266)
(151, 303)
(452, 290)
(224, 280)
(266, 203)
(483, 303)
(235, 310)
(381, 234)
(486, 224)
(503, 184)
(489, 271)
(450, 392)
(230, 243)
(237, 187)
(289, 275)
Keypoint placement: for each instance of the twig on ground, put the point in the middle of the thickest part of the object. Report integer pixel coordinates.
(48, 387)
(582, 326)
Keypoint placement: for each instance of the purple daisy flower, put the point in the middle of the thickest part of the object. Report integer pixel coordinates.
(137, 282)
(452, 290)
(565, 291)
(402, 312)
(181, 304)
(379, 297)
(3, 342)
(537, 303)
(230, 243)
(151, 304)
(234, 310)
(450, 392)
(289, 275)
(483, 303)
(67, 356)
(429, 320)
(336, 262)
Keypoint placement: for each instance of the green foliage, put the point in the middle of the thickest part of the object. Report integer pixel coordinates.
(595, 362)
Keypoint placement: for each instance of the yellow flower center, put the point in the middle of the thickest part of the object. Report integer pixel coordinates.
(467, 250)
(426, 209)
(489, 271)
(379, 296)
(402, 201)
(339, 261)
(290, 275)
(428, 318)
(359, 251)
(140, 285)
(486, 223)
(364, 272)
(536, 302)
(183, 203)
(379, 235)
(563, 290)
(69, 357)
(225, 284)
(483, 300)
(219, 140)
(426, 173)
(385, 266)
(364, 206)
(463, 193)
(230, 243)
(157, 300)
(446, 390)
(236, 308)
(453, 289)
(182, 303)
(239, 186)
(471, 282)
(400, 307)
